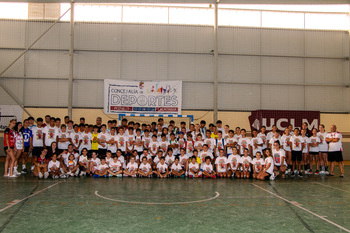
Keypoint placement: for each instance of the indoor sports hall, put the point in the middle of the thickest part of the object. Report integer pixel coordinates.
(174, 116)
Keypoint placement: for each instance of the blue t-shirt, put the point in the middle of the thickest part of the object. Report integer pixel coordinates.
(27, 134)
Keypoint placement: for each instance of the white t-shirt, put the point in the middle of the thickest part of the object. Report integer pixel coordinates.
(256, 149)
(246, 161)
(146, 141)
(273, 140)
(76, 137)
(164, 146)
(84, 160)
(121, 139)
(148, 156)
(132, 166)
(175, 167)
(122, 161)
(230, 141)
(130, 138)
(323, 146)
(86, 140)
(234, 160)
(335, 146)
(102, 167)
(156, 160)
(306, 146)
(18, 140)
(169, 160)
(102, 136)
(145, 167)
(258, 164)
(269, 160)
(162, 167)
(243, 144)
(189, 147)
(263, 138)
(269, 136)
(50, 134)
(138, 140)
(277, 157)
(182, 143)
(219, 144)
(183, 159)
(115, 166)
(203, 154)
(221, 161)
(296, 142)
(71, 164)
(96, 162)
(210, 142)
(198, 144)
(208, 168)
(63, 145)
(153, 146)
(37, 136)
(112, 146)
(54, 165)
(286, 142)
(314, 140)
(194, 167)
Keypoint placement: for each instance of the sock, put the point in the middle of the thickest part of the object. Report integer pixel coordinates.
(23, 166)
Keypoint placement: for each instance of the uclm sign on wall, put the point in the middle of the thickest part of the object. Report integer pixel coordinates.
(282, 119)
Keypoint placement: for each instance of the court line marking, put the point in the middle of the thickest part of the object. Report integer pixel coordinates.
(331, 187)
(306, 210)
(156, 203)
(19, 201)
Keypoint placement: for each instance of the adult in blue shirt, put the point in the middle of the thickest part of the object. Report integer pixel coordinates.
(28, 144)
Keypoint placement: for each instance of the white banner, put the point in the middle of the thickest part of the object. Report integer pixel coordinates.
(9, 112)
(148, 97)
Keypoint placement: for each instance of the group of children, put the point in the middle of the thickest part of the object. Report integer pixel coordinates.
(158, 150)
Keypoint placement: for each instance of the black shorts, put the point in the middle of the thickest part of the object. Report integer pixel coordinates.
(36, 151)
(6, 147)
(268, 177)
(102, 152)
(313, 153)
(278, 167)
(26, 148)
(336, 156)
(297, 156)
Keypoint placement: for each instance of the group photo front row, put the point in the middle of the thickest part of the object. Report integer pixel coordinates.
(68, 149)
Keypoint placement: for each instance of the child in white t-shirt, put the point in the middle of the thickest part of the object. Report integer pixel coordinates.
(267, 171)
(54, 167)
(131, 168)
(170, 158)
(234, 163)
(258, 163)
(146, 155)
(162, 170)
(183, 160)
(246, 160)
(208, 170)
(193, 167)
(221, 164)
(176, 169)
(157, 159)
(72, 166)
(102, 169)
(145, 169)
(94, 162)
(84, 163)
(115, 167)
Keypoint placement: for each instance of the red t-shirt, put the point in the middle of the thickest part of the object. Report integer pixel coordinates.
(9, 133)
(41, 160)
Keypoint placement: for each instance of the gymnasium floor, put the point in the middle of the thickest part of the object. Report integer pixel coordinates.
(309, 204)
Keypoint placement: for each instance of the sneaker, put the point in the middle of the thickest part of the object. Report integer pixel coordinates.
(293, 174)
(326, 172)
(32, 168)
(63, 176)
(296, 172)
(40, 175)
(96, 176)
(13, 176)
(24, 171)
(7, 175)
(119, 175)
(272, 177)
(46, 174)
(105, 176)
(300, 174)
(286, 173)
(56, 177)
(317, 173)
(341, 175)
(110, 175)
(81, 174)
(213, 177)
(186, 174)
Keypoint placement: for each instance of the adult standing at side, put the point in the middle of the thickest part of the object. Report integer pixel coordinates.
(334, 139)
